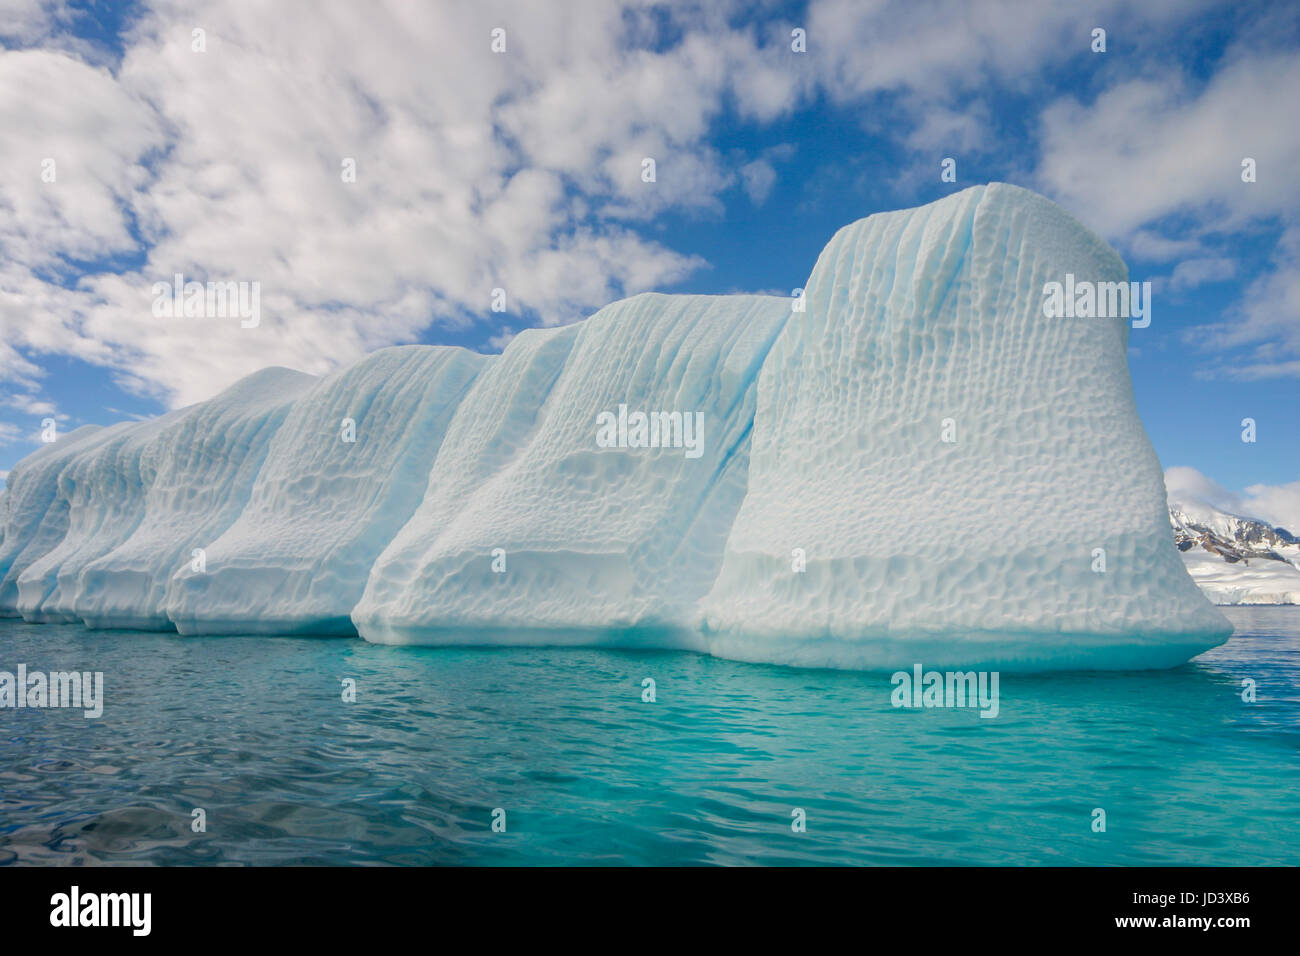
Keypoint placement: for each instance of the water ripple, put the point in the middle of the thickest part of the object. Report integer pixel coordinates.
(256, 733)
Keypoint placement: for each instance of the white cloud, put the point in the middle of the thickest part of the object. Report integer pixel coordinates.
(503, 338)
(1147, 244)
(1278, 505)
(475, 170)
(478, 170)
(1191, 273)
(758, 178)
(1183, 482)
(1155, 165)
(950, 132)
(936, 53)
(28, 404)
(929, 48)
(26, 20)
(1150, 148)
(1266, 324)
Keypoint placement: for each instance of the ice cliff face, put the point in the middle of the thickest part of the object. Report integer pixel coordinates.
(719, 472)
(589, 538)
(35, 513)
(342, 473)
(142, 497)
(924, 376)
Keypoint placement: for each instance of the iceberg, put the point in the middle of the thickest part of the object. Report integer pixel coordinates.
(589, 539)
(35, 515)
(140, 497)
(342, 473)
(1007, 508)
(911, 462)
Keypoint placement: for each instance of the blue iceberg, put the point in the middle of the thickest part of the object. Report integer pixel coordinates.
(912, 462)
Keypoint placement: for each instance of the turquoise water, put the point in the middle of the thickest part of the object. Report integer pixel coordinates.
(255, 732)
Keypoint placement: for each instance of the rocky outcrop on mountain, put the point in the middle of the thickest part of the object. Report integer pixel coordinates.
(1236, 559)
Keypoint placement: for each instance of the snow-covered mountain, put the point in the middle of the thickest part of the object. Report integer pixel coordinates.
(1236, 559)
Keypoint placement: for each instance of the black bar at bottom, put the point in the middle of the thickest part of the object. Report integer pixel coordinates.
(301, 905)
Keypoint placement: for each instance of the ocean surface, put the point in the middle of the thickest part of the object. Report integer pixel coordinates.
(255, 732)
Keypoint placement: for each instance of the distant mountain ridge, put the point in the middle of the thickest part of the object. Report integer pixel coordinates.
(1236, 559)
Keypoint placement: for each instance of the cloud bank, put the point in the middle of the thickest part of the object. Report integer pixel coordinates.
(220, 142)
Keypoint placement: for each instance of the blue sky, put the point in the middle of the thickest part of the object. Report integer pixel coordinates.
(518, 170)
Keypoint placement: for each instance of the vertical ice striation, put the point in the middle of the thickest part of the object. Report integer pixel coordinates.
(593, 539)
(323, 507)
(928, 324)
(920, 466)
(101, 489)
(35, 516)
(124, 513)
(196, 476)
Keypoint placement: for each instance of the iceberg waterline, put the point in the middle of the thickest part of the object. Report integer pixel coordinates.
(918, 466)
